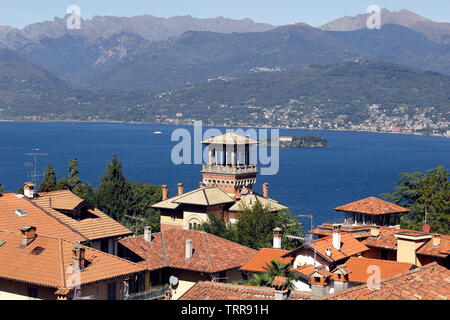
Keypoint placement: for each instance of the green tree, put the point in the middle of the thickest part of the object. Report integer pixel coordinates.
(143, 196)
(62, 184)
(255, 226)
(49, 183)
(273, 269)
(427, 195)
(85, 191)
(114, 192)
(73, 177)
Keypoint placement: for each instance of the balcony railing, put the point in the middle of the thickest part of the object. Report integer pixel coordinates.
(151, 294)
(228, 169)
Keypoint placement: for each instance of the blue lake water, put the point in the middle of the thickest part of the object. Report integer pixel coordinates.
(355, 166)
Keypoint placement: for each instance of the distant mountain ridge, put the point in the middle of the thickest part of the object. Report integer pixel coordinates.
(435, 31)
(148, 27)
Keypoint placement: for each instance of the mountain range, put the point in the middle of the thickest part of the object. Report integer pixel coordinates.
(150, 69)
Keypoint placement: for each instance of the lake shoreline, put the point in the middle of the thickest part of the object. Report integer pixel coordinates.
(222, 126)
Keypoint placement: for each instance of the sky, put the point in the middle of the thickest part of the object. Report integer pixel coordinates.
(19, 13)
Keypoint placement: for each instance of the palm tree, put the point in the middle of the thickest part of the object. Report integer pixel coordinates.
(273, 269)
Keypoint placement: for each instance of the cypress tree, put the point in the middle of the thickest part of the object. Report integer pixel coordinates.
(114, 192)
(74, 178)
(49, 183)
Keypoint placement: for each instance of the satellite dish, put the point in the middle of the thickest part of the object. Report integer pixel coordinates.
(426, 228)
(173, 281)
(244, 191)
(301, 261)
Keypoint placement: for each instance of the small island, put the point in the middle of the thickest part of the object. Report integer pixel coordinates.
(299, 142)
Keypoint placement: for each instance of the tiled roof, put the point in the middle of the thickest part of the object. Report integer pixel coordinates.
(211, 253)
(430, 282)
(264, 256)
(249, 199)
(51, 266)
(226, 291)
(387, 240)
(349, 247)
(94, 225)
(305, 271)
(35, 216)
(372, 206)
(229, 138)
(201, 196)
(358, 268)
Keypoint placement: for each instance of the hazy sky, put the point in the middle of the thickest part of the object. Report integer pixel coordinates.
(19, 13)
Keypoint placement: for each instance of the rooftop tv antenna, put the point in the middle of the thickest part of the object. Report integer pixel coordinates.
(309, 237)
(34, 175)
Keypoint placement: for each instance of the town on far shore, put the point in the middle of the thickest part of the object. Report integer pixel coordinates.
(220, 241)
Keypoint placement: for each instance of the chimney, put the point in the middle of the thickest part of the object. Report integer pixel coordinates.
(202, 184)
(320, 280)
(265, 187)
(78, 258)
(29, 190)
(281, 287)
(277, 233)
(188, 249)
(168, 295)
(165, 192)
(148, 234)
(337, 236)
(374, 232)
(407, 244)
(28, 236)
(180, 189)
(340, 278)
(436, 240)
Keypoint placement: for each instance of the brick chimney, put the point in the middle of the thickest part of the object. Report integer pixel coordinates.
(180, 187)
(29, 190)
(165, 192)
(78, 258)
(281, 288)
(277, 234)
(320, 280)
(436, 240)
(340, 277)
(188, 249)
(265, 188)
(337, 236)
(28, 236)
(148, 234)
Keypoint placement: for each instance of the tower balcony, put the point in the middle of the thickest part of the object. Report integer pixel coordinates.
(229, 169)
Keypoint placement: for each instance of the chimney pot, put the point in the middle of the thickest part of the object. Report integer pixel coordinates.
(148, 234)
(29, 190)
(337, 236)
(265, 190)
(180, 189)
(436, 240)
(165, 192)
(28, 236)
(78, 258)
(188, 249)
(277, 234)
(374, 232)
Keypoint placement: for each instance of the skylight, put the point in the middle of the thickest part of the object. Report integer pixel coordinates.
(20, 213)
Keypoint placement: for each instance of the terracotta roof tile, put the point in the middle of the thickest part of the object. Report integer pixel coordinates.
(358, 268)
(349, 247)
(95, 225)
(226, 291)
(373, 206)
(430, 282)
(387, 240)
(264, 256)
(50, 267)
(211, 253)
(35, 216)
